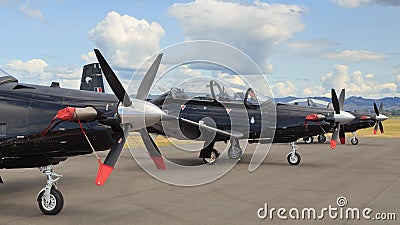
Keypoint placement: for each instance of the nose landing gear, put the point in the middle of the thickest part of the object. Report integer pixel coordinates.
(50, 200)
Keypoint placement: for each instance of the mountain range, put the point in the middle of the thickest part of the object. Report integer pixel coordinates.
(354, 103)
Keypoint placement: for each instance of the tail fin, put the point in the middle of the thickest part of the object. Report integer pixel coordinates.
(92, 78)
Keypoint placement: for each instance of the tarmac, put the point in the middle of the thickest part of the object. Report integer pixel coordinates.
(367, 175)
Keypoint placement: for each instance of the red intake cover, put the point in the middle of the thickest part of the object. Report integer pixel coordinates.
(66, 114)
(312, 117)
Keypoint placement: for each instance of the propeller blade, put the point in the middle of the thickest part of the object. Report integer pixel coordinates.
(335, 101)
(376, 127)
(148, 79)
(154, 152)
(341, 99)
(107, 167)
(376, 109)
(342, 135)
(381, 107)
(112, 80)
(335, 135)
(381, 127)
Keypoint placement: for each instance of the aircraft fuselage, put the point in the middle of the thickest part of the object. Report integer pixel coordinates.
(26, 111)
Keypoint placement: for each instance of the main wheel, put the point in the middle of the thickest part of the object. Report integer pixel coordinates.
(321, 139)
(308, 140)
(54, 206)
(354, 141)
(214, 156)
(293, 159)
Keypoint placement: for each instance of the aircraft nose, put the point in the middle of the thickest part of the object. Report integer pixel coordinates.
(140, 114)
(381, 117)
(344, 117)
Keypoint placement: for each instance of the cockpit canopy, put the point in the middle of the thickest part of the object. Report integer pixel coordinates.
(6, 78)
(213, 90)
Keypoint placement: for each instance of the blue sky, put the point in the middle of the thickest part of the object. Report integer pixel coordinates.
(305, 47)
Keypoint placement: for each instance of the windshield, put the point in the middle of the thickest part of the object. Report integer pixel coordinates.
(3, 73)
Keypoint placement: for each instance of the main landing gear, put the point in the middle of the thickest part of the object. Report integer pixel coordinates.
(50, 199)
(321, 138)
(209, 154)
(293, 157)
(354, 140)
(308, 140)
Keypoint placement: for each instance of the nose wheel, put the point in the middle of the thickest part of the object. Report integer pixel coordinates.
(354, 140)
(293, 157)
(50, 200)
(52, 206)
(234, 151)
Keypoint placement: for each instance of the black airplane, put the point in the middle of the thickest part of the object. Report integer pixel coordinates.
(361, 121)
(42, 126)
(292, 122)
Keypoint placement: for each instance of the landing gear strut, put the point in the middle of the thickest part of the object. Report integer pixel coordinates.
(234, 151)
(354, 140)
(50, 199)
(293, 157)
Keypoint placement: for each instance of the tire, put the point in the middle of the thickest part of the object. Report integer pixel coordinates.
(56, 202)
(293, 160)
(308, 140)
(214, 156)
(321, 139)
(354, 141)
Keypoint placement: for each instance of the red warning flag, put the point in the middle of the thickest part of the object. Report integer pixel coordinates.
(333, 144)
(103, 173)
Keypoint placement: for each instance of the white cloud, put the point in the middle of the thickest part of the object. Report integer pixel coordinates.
(356, 56)
(281, 89)
(254, 28)
(37, 71)
(89, 57)
(370, 75)
(360, 3)
(126, 41)
(33, 13)
(311, 44)
(313, 91)
(357, 84)
(336, 79)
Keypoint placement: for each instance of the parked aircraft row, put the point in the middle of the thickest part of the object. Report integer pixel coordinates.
(42, 126)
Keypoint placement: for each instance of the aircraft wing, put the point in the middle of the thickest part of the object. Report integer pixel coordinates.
(201, 124)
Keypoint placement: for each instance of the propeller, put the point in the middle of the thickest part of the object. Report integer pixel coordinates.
(136, 114)
(379, 117)
(340, 117)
